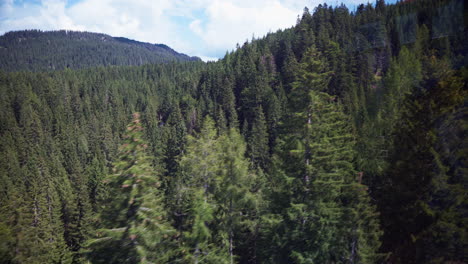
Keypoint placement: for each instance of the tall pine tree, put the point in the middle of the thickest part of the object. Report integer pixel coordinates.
(134, 227)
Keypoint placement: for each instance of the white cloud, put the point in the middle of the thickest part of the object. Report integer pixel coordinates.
(231, 22)
(203, 28)
(206, 58)
(195, 26)
(136, 19)
(49, 15)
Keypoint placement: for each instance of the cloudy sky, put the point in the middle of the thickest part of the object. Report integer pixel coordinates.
(204, 28)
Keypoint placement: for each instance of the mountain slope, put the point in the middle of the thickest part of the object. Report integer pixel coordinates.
(350, 124)
(34, 50)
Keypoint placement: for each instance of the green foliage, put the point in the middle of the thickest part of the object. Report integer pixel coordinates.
(200, 180)
(224, 193)
(258, 140)
(199, 245)
(329, 207)
(344, 110)
(134, 227)
(428, 190)
(33, 50)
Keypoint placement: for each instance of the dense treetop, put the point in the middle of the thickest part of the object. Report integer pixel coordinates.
(339, 140)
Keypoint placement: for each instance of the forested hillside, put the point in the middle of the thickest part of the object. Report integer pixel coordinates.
(339, 140)
(34, 50)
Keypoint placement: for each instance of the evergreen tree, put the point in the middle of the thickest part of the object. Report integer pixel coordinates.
(239, 197)
(258, 140)
(323, 205)
(330, 207)
(204, 241)
(215, 166)
(134, 226)
(418, 172)
(388, 77)
(199, 245)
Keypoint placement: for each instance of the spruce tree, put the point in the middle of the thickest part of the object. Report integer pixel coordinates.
(198, 243)
(217, 180)
(258, 140)
(134, 227)
(424, 186)
(204, 241)
(239, 197)
(331, 207)
(324, 208)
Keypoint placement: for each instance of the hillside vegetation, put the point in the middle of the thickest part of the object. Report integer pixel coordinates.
(339, 140)
(34, 50)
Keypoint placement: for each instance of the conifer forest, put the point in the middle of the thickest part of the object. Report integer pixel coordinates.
(339, 140)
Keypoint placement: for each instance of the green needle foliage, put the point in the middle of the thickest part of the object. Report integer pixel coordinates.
(204, 241)
(134, 225)
(199, 243)
(346, 110)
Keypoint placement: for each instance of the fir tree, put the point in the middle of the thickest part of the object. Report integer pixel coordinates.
(134, 226)
(330, 207)
(323, 206)
(199, 245)
(427, 189)
(238, 197)
(258, 140)
(204, 241)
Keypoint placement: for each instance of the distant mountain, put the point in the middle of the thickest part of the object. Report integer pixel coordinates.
(35, 50)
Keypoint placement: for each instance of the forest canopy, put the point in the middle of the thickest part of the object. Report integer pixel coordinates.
(339, 140)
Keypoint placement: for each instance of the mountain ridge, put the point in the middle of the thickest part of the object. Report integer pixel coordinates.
(36, 50)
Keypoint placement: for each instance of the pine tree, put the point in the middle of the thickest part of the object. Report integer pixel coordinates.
(330, 207)
(199, 245)
(204, 241)
(239, 197)
(258, 140)
(324, 206)
(289, 66)
(215, 166)
(419, 200)
(175, 131)
(134, 227)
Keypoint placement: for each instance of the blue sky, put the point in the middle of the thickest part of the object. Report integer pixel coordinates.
(204, 28)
